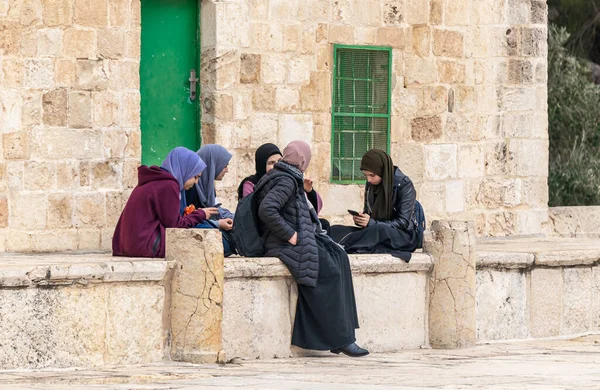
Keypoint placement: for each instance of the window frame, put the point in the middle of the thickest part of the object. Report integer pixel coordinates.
(388, 116)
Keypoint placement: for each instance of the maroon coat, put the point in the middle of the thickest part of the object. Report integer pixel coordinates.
(152, 207)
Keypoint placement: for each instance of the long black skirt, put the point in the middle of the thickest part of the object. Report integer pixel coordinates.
(326, 314)
(378, 238)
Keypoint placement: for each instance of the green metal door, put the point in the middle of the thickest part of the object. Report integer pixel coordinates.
(170, 51)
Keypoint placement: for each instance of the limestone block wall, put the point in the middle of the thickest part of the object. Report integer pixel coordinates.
(469, 122)
(69, 118)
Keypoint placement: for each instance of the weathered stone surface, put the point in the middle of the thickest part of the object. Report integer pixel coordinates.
(577, 300)
(90, 209)
(91, 13)
(546, 301)
(447, 43)
(299, 70)
(250, 68)
(455, 196)
(501, 305)
(40, 175)
(451, 72)
(4, 211)
(111, 44)
(60, 210)
(452, 284)
(197, 294)
(471, 161)
(420, 70)
(295, 127)
(440, 161)
(16, 145)
(393, 12)
(316, 96)
(539, 12)
(504, 260)
(10, 42)
(91, 75)
(595, 310)
(38, 74)
(79, 43)
(262, 308)
(55, 107)
(80, 110)
(340, 34)
(426, 129)
(391, 36)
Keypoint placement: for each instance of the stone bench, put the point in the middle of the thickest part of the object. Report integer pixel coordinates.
(66, 310)
(537, 288)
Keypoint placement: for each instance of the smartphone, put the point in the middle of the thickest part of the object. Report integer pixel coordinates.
(352, 212)
(218, 205)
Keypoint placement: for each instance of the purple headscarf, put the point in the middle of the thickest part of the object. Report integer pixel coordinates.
(217, 158)
(183, 164)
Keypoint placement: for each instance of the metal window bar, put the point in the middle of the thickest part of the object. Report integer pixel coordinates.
(364, 103)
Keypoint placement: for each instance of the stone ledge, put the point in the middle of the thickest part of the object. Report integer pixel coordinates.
(270, 267)
(504, 260)
(57, 270)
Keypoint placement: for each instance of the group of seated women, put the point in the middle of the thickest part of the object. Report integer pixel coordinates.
(181, 194)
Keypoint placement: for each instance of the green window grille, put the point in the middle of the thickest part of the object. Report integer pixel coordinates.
(361, 107)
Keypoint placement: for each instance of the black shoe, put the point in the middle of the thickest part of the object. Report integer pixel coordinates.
(351, 350)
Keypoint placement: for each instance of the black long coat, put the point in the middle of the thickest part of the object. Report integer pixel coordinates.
(283, 210)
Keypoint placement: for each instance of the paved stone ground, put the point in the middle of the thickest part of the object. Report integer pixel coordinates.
(555, 364)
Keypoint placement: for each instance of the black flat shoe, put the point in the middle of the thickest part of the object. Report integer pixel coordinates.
(351, 350)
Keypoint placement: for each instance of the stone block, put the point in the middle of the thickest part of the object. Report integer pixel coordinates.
(135, 340)
(90, 210)
(4, 211)
(426, 129)
(263, 127)
(49, 42)
(435, 101)
(316, 96)
(501, 305)
(60, 210)
(250, 68)
(264, 98)
(105, 109)
(415, 12)
(452, 284)
(65, 73)
(315, 10)
(448, 43)
(10, 34)
(133, 44)
(130, 112)
(341, 34)
(114, 207)
(420, 70)
(532, 222)
(393, 12)
(436, 12)
(196, 336)
(384, 328)
(262, 308)
(274, 68)
(111, 44)
(501, 224)
(490, 12)
(299, 70)
(535, 191)
(343, 11)
(16, 145)
(395, 37)
(130, 178)
(365, 35)
(440, 162)
(497, 158)
(539, 12)
(55, 107)
(39, 74)
(92, 75)
(79, 43)
(106, 175)
(520, 71)
(457, 13)
(322, 33)
(455, 196)
(115, 143)
(80, 109)
(11, 110)
(31, 111)
(23, 206)
(283, 10)
(40, 175)
(546, 301)
(534, 42)
(91, 13)
(331, 195)
(12, 71)
(14, 179)
(325, 57)
(266, 35)
(126, 75)
(595, 310)
(471, 161)
(406, 102)
(518, 11)
(309, 39)
(451, 72)
(119, 13)
(294, 127)
(287, 99)
(523, 164)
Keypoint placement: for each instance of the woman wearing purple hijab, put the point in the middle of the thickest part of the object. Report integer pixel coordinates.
(155, 204)
(326, 316)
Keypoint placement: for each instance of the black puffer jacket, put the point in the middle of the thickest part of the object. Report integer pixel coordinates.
(403, 202)
(283, 210)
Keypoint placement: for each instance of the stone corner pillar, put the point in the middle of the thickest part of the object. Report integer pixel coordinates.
(452, 284)
(196, 309)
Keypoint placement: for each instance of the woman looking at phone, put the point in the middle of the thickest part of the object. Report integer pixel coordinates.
(386, 223)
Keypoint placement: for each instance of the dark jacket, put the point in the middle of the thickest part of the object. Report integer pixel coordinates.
(152, 207)
(403, 202)
(283, 210)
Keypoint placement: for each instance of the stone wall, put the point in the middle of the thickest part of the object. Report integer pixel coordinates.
(469, 122)
(69, 117)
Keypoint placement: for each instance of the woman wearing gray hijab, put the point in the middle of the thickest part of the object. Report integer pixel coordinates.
(203, 193)
(326, 316)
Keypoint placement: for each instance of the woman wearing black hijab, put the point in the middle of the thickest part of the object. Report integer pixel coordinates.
(387, 223)
(264, 159)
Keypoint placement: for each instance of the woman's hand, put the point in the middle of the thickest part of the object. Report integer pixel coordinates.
(226, 224)
(308, 184)
(210, 211)
(294, 239)
(362, 219)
